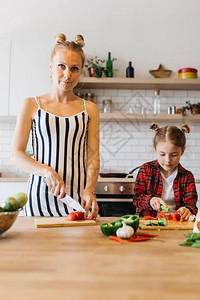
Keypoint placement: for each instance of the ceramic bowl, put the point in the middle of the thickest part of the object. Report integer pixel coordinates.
(7, 219)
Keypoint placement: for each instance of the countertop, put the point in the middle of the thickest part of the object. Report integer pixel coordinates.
(82, 263)
(24, 179)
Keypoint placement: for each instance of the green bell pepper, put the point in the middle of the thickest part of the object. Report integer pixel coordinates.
(162, 222)
(131, 220)
(110, 228)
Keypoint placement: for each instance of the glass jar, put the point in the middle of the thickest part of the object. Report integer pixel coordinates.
(107, 106)
(89, 96)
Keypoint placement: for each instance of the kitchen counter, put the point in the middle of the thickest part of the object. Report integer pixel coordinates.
(24, 179)
(82, 263)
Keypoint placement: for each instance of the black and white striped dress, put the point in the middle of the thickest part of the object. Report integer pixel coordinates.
(58, 142)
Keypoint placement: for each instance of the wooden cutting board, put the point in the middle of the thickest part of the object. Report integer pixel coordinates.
(49, 222)
(172, 225)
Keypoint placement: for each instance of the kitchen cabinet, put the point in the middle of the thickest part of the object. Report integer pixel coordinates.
(139, 83)
(8, 188)
(30, 73)
(4, 77)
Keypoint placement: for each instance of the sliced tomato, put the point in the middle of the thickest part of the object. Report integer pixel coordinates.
(161, 215)
(72, 216)
(174, 217)
(80, 215)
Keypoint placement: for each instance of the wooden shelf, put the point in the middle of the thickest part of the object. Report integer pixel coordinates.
(161, 118)
(139, 83)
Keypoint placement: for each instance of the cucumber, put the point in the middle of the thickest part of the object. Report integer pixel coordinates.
(162, 222)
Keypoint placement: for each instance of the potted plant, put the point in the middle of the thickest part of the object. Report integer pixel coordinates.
(95, 67)
(194, 108)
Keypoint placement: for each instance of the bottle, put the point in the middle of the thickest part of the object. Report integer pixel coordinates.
(109, 66)
(130, 71)
(156, 102)
(196, 228)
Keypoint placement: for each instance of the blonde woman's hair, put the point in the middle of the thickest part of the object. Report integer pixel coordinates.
(76, 46)
(170, 133)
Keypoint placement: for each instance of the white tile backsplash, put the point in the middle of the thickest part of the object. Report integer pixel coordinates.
(123, 146)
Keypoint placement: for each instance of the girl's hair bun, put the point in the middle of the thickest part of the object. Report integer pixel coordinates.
(185, 128)
(79, 40)
(154, 126)
(60, 38)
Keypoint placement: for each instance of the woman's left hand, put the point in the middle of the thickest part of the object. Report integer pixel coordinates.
(88, 200)
(184, 212)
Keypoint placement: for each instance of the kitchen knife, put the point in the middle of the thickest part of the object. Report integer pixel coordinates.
(72, 203)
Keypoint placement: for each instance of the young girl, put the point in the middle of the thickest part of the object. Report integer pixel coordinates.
(65, 132)
(164, 181)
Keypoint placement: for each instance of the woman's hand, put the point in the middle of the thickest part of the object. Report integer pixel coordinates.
(55, 183)
(89, 200)
(184, 213)
(155, 203)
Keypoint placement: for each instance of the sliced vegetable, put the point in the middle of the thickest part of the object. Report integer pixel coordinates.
(162, 222)
(131, 220)
(174, 217)
(72, 216)
(161, 215)
(164, 208)
(125, 232)
(117, 239)
(79, 214)
(147, 234)
(110, 228)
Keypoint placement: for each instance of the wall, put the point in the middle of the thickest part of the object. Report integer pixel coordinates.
(147, 32)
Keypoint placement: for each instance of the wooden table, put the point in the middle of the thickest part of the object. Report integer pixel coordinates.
(82, 263)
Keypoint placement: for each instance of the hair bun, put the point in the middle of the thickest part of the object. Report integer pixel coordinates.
(79, 40)
(60, 38)
(154, 126)
(185, 128)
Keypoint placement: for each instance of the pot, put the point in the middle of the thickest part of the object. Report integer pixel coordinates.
(118, 175)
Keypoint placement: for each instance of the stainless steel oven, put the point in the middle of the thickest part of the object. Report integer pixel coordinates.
(114, 196)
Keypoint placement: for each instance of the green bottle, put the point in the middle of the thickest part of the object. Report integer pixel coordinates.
(109, 66)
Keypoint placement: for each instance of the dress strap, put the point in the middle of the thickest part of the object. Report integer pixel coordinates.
(37, 101)
(84, 105)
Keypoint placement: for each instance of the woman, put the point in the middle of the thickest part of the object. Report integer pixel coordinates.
(65, 134)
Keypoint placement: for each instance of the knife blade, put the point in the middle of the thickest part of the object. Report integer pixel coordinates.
(72, 203)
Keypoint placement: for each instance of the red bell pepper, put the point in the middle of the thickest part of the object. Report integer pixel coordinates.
(174, 217)
(161, 215)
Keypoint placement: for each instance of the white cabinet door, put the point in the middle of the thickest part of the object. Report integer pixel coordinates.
(30, 72)
(8, 189)
(4, 76)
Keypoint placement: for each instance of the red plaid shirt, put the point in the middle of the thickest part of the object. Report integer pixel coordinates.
(149, 184)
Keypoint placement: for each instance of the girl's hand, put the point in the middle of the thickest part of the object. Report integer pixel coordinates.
(155, 203)
(89, 200)
(55, 183)
(184, 212)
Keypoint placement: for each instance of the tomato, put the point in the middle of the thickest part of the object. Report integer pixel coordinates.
(79, 214)
(174, 217)
(161, 215)
(72, 216)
